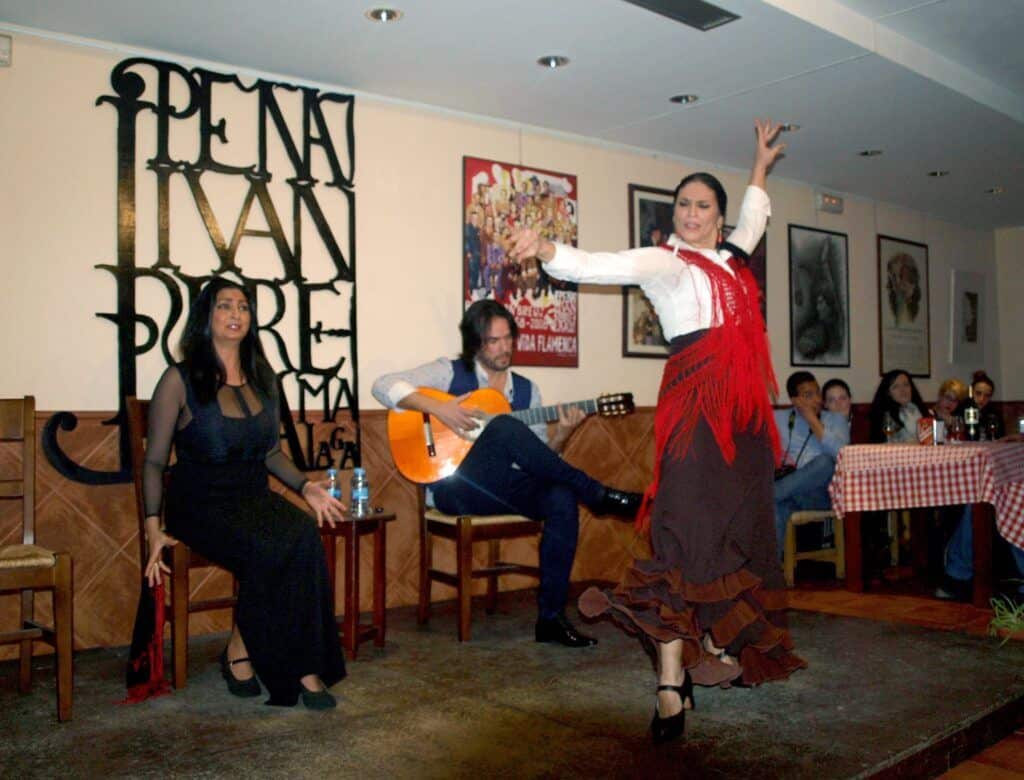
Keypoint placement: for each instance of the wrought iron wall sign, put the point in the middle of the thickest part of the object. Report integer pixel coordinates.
(316, 132)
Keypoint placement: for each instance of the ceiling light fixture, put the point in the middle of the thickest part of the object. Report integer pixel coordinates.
(995, 191)
(938, 174)
(552, 61)
(384, 15)
(870, 153)
(684, 99)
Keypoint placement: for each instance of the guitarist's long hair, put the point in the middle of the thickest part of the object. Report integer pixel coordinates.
(474, 326)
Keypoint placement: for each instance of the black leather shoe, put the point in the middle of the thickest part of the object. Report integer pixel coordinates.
(245, 689)
(560, 630)
(620, 503)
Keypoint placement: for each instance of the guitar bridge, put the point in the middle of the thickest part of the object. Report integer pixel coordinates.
(428, 436)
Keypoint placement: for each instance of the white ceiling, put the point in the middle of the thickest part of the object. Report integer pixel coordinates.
(936, 84)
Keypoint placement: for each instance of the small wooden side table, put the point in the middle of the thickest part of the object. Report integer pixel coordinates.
(353, 633)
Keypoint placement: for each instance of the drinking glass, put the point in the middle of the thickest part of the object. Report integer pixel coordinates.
(955, 430)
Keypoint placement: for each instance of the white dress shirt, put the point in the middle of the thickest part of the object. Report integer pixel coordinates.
(679, 292)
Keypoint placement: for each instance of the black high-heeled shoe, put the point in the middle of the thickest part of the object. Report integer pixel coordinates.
(245, 689)
(672, 727)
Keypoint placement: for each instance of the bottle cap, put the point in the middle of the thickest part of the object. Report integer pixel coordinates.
(359, 470)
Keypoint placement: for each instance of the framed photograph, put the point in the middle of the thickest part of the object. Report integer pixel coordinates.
(498, 198)
(650, 223)
(967, 302)
(903, 336)
(819, 298)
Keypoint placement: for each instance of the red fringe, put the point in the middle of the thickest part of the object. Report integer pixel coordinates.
(724, 378)
(152, 655)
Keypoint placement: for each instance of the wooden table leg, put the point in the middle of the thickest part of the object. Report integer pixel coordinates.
(981, 523)
(350, 623)
(854, 553)
(919, 527)
(379, 582)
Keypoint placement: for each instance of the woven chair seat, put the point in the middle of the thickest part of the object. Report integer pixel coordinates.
(25, 556)
(441, 517)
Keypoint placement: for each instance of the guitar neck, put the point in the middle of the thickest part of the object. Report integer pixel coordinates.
(546, 414)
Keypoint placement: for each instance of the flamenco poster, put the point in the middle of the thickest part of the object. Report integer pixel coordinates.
(497, 199)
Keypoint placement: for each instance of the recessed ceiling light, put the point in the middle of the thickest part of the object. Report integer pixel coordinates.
(684, 99)
(995, 191)
(938, 174)
(870, 153)
(384, 15)
(789, 127)
(552, 61)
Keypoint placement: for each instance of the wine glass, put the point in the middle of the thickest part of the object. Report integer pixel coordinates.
(991, 429)
(955, 431)
(888, 427)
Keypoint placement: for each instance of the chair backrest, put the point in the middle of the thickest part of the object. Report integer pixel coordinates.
(138, 423)
(18, 424)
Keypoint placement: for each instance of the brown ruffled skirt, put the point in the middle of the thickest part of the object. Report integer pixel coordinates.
(715, 568)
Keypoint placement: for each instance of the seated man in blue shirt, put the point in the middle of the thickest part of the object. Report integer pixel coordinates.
(511, 468)
(810, 440)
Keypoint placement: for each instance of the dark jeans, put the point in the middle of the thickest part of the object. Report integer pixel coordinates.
(544, 487)
(805, 488)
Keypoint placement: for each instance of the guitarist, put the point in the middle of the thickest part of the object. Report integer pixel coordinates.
(511, 468)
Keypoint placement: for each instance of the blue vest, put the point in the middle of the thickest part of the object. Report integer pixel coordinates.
(464, 381)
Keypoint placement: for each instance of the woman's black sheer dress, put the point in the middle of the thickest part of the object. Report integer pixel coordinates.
(220, 504)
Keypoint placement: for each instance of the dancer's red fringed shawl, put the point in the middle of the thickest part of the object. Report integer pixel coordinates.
(144, 676)
(724, 377)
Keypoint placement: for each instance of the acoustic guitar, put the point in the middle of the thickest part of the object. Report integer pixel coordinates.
(426, 450)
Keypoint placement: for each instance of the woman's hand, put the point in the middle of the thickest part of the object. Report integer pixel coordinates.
(326, 507)
(157, 539)
(527, 243)
(765, 154)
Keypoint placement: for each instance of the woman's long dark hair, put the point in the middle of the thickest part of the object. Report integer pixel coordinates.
(882, 403)
(205, 371)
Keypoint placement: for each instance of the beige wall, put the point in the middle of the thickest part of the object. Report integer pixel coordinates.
(58, 209)
(1010, 265)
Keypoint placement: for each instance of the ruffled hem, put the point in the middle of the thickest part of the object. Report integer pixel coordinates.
(659, 604)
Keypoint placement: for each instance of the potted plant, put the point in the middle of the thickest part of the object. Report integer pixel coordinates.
(1007, 618)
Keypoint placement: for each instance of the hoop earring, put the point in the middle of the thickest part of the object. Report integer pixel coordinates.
(719, 237)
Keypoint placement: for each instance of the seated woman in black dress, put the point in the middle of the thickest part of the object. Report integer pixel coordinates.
(219, 409)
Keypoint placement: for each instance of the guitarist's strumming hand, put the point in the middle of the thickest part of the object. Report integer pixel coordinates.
(461, 420)
(569, 418)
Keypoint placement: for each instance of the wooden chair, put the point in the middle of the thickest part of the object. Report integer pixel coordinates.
(183, 560)
(835, 555)
(464, 530)
(26, 567)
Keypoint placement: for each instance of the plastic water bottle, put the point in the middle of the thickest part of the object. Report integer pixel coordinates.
(333, 488)
(360, 494)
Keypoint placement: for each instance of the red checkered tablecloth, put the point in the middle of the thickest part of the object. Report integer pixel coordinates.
(872, 477)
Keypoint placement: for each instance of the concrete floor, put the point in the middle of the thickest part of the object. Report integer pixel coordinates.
(877, 699)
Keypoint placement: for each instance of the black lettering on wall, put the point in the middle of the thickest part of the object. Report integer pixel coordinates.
(180, 98)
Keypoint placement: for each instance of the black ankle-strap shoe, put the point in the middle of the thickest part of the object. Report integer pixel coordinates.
(245, 689)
